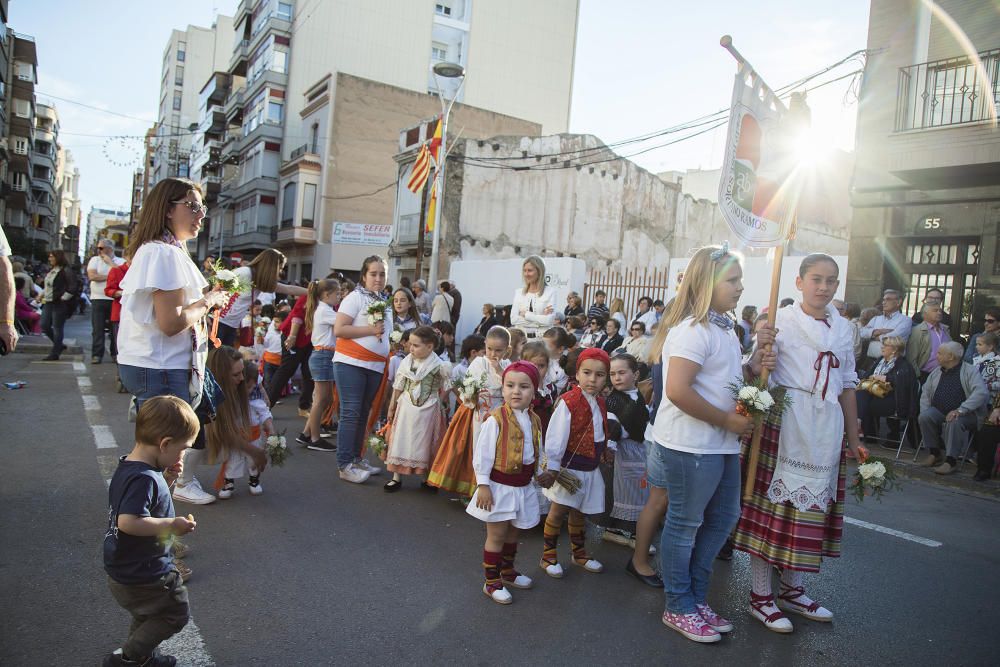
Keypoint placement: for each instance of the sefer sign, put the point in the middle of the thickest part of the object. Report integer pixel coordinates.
(352, 233)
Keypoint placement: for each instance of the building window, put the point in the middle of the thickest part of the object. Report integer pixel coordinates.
(288, 206)
(279, 62)
(442, 9)
(183, 170)
(274, 111)
(177, 101)
(284, 11)
(307, 271)
(181, 46)
(439, 51)
(308, 204)
(20, 145)
(179, 76)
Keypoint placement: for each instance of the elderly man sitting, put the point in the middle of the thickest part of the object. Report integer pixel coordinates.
(952, 403)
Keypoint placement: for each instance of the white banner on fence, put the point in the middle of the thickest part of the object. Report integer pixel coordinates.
(756, 164)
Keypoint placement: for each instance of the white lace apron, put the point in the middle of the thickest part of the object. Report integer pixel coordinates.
(812, 429)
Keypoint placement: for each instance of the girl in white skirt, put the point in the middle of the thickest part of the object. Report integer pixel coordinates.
(576, 440)
(416, 411)
(504, 461)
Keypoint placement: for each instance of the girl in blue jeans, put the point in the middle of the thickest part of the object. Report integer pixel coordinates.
(359, 365)
(695, 454)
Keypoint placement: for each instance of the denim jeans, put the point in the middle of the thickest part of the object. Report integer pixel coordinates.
(100, 319)
(145, 383)
(357, 388)
(54, 316)
(228, 334)
(704, 492)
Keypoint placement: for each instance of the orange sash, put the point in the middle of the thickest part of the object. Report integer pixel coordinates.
(358, 351)
(272, 358)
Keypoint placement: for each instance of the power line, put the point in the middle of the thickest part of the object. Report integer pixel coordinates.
(90, 106)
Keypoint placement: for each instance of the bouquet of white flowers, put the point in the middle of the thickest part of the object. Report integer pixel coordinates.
(395, 337)
(755, 401)
(468, 388)
(277, 449)
(873, 478)
(376, 313)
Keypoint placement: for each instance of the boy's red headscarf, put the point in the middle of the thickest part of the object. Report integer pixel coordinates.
(528, 369)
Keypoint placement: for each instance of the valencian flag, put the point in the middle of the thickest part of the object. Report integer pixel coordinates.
(755, 193)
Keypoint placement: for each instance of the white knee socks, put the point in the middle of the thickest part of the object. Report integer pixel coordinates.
(761, 571)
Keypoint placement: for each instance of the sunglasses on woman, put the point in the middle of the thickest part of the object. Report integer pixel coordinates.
(193, 206)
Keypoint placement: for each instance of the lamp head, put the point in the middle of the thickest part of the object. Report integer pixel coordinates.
(449, 70)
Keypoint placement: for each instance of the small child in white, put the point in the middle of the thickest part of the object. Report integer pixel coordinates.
(504, 458)
(261, 426)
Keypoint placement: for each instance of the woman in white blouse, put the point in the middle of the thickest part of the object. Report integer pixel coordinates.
(162, 338)
(533, 310)
(262, 274)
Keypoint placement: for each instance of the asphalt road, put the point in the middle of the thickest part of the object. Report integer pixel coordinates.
(320, 572)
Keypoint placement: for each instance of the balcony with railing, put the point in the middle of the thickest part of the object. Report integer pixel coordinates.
(949, 92)
(241, 55)
(945, 123)
(234, 105)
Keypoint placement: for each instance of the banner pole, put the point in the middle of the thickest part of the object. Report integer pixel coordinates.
(753, 456)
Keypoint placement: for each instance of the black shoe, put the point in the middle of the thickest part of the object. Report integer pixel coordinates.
(652, 580)
(303, 439)
(52, 357)
(424, 486)
(726, 552)
(392, 486)
(95, 360)
(981, 476)
(322, 445)
(327, 430)
(62, 348)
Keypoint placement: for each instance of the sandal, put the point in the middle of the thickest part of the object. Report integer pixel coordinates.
(788, 600)
(775, 621)
(392, 486)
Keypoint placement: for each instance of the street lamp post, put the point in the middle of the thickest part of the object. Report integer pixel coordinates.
(447, 71)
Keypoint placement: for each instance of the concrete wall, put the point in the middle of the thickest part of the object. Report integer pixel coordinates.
(366, 120)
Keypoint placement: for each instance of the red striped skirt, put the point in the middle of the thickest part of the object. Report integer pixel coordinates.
(779, 533)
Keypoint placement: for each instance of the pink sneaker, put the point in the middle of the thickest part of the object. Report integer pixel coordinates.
(692, 626)
(715, 621)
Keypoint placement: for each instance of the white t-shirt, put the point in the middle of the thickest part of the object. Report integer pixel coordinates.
(156, 266)
(272, 340)
(102, 268)
(322, 326)
(718, 352)
(355, 305)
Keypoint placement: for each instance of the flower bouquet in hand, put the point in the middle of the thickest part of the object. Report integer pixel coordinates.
(467, 388)
(378, 441)
(277, 449)
(227, 281)
(754, 400)
(873, 477)
(376, 313)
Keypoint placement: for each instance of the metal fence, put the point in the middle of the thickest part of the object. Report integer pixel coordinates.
(946, 92)
(629, 285)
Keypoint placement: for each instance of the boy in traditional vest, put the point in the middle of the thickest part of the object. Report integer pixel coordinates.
(504, 459)
(576, 441)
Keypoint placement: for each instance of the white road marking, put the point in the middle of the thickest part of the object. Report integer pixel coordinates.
(103, 437)
(892, 531)
(90, 402)
(79, 367)
(188, 647)
(84, 382)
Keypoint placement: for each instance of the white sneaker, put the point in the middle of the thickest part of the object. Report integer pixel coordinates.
(192, 493)
(367, 467)
(500, 596)
(352, 473)
(256, 489)
(520, 581)
(226, 492)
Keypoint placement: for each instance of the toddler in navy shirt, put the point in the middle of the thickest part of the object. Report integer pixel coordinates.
(141, 524)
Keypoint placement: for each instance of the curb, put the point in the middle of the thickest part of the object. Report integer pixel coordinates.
(959, 481)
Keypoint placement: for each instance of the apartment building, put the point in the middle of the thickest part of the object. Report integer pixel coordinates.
(29, 150)
(189, 57)
(926, 191)
(305, 169)
(68, 195)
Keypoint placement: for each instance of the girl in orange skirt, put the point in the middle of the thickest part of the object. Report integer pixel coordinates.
(452, 468)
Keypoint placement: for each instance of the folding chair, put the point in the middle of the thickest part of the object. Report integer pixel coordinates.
(902, 436)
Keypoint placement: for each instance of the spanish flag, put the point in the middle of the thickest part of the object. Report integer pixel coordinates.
(436, 142)
(421, 169)
(431, 208)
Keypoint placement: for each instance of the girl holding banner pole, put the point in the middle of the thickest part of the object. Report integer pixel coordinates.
(794, 516)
